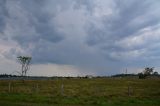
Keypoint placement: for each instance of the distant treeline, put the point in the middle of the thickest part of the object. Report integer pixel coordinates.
(124, 75)
(8, 75)
(80, 77)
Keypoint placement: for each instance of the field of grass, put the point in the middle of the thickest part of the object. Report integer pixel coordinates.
(81, 92)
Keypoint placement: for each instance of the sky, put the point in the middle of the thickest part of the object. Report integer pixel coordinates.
(80, 37)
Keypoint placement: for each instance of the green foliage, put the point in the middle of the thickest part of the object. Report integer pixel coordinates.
(142, 76)
(155, 73)
(147, 72)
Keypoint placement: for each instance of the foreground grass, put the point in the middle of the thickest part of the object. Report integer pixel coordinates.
(78, 92)
(37, 100)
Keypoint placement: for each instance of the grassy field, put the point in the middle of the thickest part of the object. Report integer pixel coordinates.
(81, 92)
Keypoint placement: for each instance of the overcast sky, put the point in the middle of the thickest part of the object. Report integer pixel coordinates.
(79, 37)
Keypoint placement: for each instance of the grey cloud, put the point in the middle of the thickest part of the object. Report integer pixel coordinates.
(95, 41)
(28, 22)
(117, 26)
(3, 15)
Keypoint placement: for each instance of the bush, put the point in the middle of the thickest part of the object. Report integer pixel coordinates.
(142, 76)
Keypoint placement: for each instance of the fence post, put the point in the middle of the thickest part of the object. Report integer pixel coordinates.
(9, 87)
(37, 88)
(62, 90)
(129, 91)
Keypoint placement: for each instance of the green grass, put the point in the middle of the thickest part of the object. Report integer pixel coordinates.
(81, 92)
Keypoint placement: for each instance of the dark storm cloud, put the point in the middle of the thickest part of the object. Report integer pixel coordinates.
(95, 34)
(117, 26)
(128, 18)
(3, 15)
(28, 22)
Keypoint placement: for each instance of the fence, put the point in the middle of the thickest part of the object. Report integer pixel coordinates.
(80, 88)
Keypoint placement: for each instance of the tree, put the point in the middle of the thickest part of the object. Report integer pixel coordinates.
(25, 62)
(148, 71)
(141, 76)
(155, 73)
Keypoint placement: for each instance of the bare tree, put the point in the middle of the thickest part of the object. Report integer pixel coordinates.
(25, 62)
